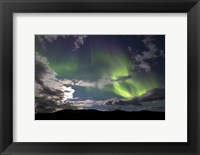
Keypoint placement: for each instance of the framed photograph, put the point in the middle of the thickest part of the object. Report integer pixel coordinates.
(101, 77)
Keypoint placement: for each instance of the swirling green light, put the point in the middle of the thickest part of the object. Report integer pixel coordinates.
(132, 87)
(115, 64)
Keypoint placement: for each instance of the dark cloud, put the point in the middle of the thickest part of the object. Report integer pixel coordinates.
(78, 40)
(152, 52)
(43, 39)
(152, 100)
(143, 65)
(151, 95)
(143, 102)
(123, 78)
(49, 91)
(40, 69)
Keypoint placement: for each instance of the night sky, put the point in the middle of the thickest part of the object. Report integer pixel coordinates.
(98, 71)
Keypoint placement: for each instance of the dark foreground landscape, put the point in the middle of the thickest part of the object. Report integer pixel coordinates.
(100, 115)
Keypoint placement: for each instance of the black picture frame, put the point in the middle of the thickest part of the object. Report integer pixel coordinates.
(8, 7)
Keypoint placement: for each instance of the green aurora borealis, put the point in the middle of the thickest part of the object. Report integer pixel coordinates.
(99, 58)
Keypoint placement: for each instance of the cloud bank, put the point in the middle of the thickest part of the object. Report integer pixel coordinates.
(49, 90)
(152, 52)
(79, 40)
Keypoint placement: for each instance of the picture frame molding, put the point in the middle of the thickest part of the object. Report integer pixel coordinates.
(8, 7)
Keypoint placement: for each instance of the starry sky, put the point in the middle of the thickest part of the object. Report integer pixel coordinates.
(87, 71)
